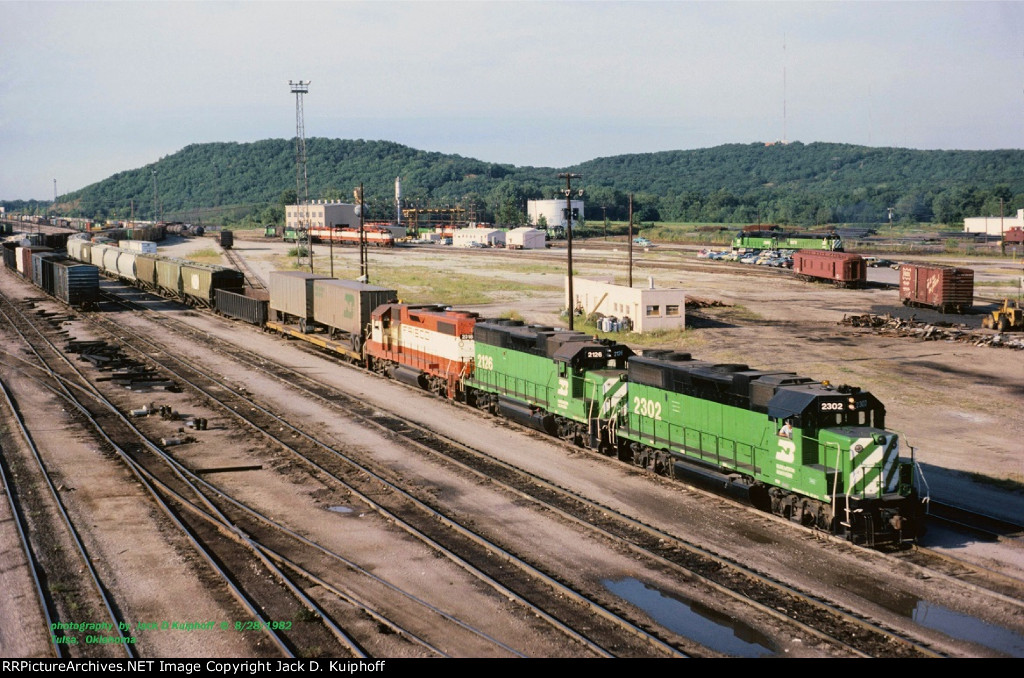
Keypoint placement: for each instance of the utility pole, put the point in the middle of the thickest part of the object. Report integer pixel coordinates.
(630, 239)
(364, 263)
(156, 213)
(568, 176)
(1003, 230)
(301, 179)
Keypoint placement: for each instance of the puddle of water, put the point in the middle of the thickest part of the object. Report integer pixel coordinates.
(964, 627)
(339, 509)
(695, 621)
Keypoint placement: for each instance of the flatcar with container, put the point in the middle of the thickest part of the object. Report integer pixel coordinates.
(840, 268)
(948, 289)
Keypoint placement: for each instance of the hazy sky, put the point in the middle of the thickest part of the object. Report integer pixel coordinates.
(88, 89)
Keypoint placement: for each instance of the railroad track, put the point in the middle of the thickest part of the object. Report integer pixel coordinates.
(541, 594)
(214, 538)
(815, 617)
(252, 277)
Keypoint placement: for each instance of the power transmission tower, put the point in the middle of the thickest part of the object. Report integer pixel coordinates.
(301, 179)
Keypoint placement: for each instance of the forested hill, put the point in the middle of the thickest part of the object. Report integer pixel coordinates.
(801, 184)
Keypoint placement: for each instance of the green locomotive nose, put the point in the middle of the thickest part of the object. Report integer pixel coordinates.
(867, 460)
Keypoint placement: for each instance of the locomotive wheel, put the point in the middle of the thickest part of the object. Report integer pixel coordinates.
(758, 495)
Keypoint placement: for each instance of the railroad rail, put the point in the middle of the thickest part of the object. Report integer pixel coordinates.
(553, 601)
(690, 560)
(212, 541)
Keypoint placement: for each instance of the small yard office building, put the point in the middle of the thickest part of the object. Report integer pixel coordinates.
(645, 308)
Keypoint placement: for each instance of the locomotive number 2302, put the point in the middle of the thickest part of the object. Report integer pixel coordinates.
(647, 408)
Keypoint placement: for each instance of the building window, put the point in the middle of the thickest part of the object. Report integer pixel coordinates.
(672, 310)
(654, 311)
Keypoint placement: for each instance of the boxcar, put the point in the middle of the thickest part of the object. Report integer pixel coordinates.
(75, 283)
(23, 258)
(946, 288)
(840, 268)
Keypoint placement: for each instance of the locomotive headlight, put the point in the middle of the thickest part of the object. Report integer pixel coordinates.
(851, 402)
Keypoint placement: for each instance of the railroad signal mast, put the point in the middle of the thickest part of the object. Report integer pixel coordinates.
(301, 178)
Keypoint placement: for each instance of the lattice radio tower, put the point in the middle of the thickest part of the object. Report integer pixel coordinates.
(301, 178)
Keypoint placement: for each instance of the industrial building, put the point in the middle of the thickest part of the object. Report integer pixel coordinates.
(553, 212)
(644, 309)
(321, 214)
(993, 225)
(482, 237)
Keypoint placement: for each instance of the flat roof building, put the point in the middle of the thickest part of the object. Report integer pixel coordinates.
(643, 308)
(322, 214)
(993, 225)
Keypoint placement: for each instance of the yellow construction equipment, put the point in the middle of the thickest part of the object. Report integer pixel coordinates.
(1009, 316)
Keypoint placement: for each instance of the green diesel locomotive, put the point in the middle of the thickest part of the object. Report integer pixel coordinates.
(779, 240)
(812, 452)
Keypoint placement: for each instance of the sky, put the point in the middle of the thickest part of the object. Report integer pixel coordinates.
(89, 89)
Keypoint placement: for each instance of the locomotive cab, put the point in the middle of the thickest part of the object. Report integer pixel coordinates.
(842, 458)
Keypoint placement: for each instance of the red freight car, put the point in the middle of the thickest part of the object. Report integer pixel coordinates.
(840, 268)
(427, 346)
(946, 288)
(1014, 236)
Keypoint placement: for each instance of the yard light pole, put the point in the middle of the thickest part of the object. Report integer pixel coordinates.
(568, 176)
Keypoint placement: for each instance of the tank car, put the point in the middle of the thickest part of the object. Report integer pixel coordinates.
(840, 268)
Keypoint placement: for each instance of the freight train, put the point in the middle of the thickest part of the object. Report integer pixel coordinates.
(812, 452)
(807, 450)
(186, 281)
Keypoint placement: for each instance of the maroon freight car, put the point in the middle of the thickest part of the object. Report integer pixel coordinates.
(946, 288)
(840, 268)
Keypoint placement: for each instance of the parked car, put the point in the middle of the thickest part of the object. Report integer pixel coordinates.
(643, 242)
